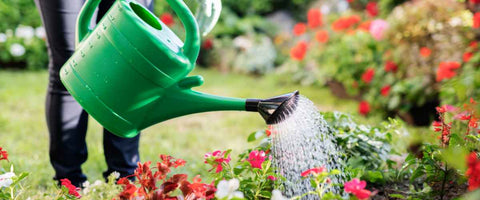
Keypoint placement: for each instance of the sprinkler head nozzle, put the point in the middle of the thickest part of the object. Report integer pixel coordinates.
(276, 109)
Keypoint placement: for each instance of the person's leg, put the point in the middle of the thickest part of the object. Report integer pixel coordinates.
(66, 120)
(121, 154)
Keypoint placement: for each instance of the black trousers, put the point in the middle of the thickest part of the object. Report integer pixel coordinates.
(66, 120)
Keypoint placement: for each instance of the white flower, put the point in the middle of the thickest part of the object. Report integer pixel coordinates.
(17, 50)
(116, 174)
(6, 179)
(3, 37)
(277, 195)
(40, 32)
(227, 189)
(26, 32)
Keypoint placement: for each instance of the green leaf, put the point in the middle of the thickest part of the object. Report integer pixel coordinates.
(255, 136)
(420, 171)
(398, 196)
(374, 177)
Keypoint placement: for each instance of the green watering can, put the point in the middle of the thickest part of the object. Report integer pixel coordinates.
(130, 72)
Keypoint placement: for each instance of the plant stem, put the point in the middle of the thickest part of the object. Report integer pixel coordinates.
(445, 173)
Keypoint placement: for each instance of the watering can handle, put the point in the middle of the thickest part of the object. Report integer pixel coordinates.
(191, 47)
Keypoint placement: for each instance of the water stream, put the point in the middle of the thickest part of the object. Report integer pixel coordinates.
(300, 142)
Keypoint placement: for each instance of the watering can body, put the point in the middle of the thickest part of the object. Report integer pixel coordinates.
(130, 71)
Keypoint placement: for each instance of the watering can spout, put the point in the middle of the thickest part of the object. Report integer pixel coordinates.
(180, 100)
(276, 109)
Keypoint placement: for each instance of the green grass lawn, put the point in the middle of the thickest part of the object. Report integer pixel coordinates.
(23, 132)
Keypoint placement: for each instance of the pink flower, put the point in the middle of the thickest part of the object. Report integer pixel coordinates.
(216, 159)
(357, 188)
(377, 28)
(273, 178)
(314, 171)
(256, 158)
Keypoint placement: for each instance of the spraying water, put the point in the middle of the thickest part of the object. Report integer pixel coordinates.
(300, 142)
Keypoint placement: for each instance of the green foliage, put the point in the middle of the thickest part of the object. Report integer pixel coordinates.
(101, 190)
(34, 54)
(386, 6)
(466, 85)
(442, 164)
(365, 147)
(15, 12)
(359, 51)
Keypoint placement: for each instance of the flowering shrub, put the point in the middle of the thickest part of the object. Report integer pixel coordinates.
(156, 185)
(23, 47)
(423, 55)
(450, 163)
(10, 183)
(394, 66)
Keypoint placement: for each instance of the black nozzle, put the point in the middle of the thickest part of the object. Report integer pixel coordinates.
(275, 109)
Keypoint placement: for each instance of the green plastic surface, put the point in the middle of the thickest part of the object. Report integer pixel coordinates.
(130, 71)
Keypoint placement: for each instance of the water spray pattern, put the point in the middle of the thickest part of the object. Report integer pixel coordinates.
(303, 141)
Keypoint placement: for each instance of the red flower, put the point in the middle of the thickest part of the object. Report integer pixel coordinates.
(167, 19)
(473, 44)
(217, 159)
(364, 108)
(256, 158)
(446, 70)
(207, 44)
(314, 18)
(350, 1)
(365, 26)
(179, 163)
(357, 188)
(473, 171)
(299, 29)
(367, 76)
(71, 188)
(321, 36)
(129, 189)
(313, 171)
(473, 122)
(3, 154)
(475, 1)
(467, 56)
(425, 52)
(298, 51)
(385, 90)
(372, 9)
(344, 23)
(390, 66)
(268, 132)
(476, 20)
